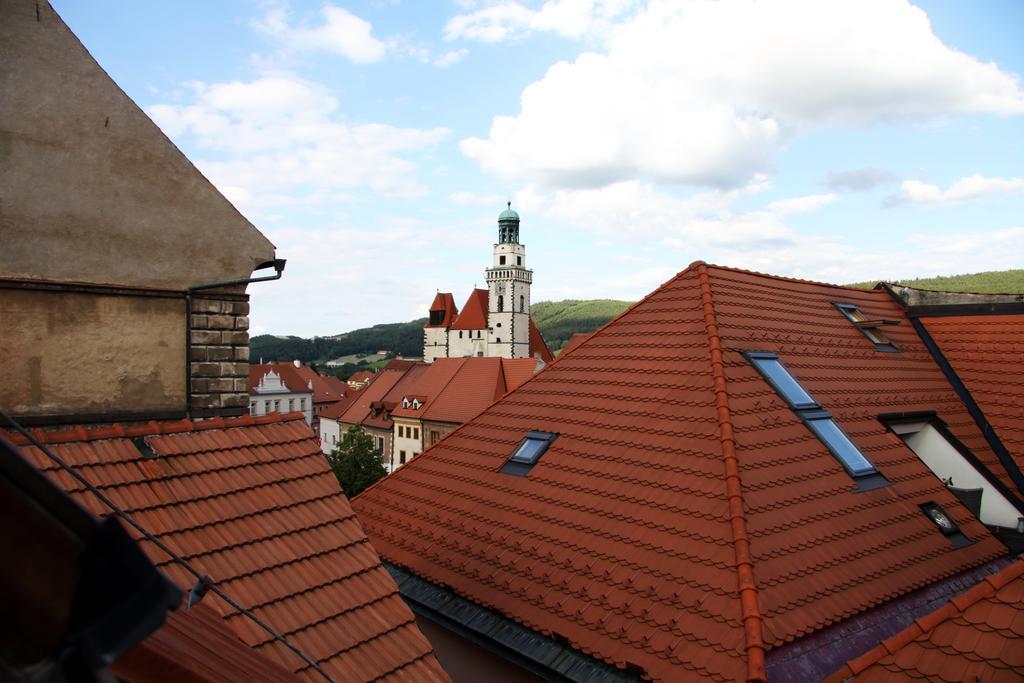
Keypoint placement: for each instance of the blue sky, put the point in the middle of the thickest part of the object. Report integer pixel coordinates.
(375, 142)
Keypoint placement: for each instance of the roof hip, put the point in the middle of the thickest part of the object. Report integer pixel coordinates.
(752, 624)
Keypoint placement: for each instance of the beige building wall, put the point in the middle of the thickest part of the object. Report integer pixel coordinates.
(408, 437)
(90, 354)
(435, 431)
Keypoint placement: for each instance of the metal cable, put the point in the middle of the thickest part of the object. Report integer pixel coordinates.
(160, 544)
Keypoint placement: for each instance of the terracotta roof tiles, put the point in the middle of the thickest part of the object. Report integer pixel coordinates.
(444, 302)
(474, 313)
(987, 353)
(977, 636)
(685, 520)
(252, 503)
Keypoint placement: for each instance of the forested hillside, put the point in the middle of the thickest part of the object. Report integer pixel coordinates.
(990, 282)
(559, 320)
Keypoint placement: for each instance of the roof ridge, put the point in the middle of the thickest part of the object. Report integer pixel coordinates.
(785, 278)
(118, 430)
(751, 613)
(953, 607)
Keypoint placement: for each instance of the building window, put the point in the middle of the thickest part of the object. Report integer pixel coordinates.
(436, 317)
(291, 404)
(334, 439)
(460, 334)
(401, 457)
(478, 333)
(528, 452)
(501, 260)
(497, 340)
(302, 404)
(252, 408)
(435, 436)
(872, 329)
(501, 303)
(415, 432)
(277, 406)
(817, 420)
(522, 303)
(519, 260)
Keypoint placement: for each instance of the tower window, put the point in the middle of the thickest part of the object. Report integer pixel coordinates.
(522, 303)
(501, 260)
(501, 303)
(436, 317)
(519, 260)
(460, 334)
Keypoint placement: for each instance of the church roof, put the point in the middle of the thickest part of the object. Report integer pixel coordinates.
(445, 302)
(538, 345)
(474, 313)
(685, 521)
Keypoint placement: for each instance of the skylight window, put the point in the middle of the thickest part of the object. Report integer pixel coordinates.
(817, 419)
(872, 329)
(528, 452)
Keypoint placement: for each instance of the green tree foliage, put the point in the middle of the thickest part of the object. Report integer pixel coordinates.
(355, 462)
(990, 282)
(559, 320)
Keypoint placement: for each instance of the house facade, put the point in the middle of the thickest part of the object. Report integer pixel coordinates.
(495, 322)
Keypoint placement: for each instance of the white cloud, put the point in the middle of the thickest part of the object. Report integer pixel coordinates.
(805, 204)
(858, 180)
(965, 189)
(276, 139)
(506, 20)
(705, 93)
(450, 58)
(340, 32)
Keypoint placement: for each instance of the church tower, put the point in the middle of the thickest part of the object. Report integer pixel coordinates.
(508, 284)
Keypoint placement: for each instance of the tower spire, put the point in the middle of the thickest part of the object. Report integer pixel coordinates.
(508, 226)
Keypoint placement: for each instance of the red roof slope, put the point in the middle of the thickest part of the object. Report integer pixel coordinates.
(338, 408)
(987, 353)
(538, 345)
(359, 409)
(444, 301)
(196, 646)
(517, 371)
(474, 313)
(393, 399)
(477, 384)
(290, 377)
(976, 636)
(324, 390)
(252, 503)
(430, 384)
(685, 520)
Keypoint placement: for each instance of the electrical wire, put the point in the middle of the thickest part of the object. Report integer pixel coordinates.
(160, 544)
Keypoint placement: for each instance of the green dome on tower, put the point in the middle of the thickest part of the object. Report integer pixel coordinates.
(508, 214)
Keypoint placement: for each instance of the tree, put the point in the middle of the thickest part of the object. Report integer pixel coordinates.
(355, 462)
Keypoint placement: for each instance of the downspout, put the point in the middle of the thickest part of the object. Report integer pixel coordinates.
(277, 264)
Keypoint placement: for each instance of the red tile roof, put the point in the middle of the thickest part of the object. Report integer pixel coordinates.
(338, 408)
(987, 353)
(976, 636)
(574, 341)
(291, 377)
(517, 371)
(252, 503)
(474, 313)
(685, 520)
(393, 399)
(538, 345)
(196, 646)
(324, 389)
(444, 301)
(430, 384)
(362, 376)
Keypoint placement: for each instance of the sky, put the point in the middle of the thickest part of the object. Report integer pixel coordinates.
(375, 142)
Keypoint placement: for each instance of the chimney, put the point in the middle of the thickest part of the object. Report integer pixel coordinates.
(298, 363)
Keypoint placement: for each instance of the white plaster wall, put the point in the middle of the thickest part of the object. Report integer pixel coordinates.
(945, 461)
(411, 445)
(330, 434)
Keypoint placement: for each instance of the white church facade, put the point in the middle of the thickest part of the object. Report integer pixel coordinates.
(494, 321)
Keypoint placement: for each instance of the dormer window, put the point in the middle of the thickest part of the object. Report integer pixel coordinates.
(872, 329)
(405, 402)
(528, 452)
(817, 419)
(416, 404)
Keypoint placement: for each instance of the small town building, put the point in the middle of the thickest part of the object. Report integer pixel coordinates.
(495, 322)
(450, 392)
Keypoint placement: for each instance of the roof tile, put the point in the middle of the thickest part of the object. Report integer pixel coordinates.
(252, 503)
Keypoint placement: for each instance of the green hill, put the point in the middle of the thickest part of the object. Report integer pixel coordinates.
(559, 320)
(990, 282)
(404, 339)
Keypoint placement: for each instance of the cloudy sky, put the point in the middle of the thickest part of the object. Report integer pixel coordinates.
(375, 142)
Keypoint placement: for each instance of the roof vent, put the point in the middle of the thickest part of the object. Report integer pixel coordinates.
(944, 523)
(143, 447)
